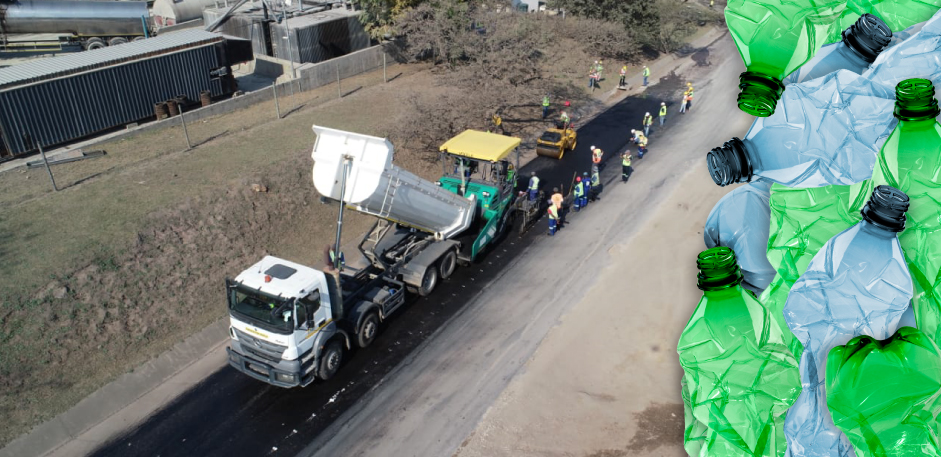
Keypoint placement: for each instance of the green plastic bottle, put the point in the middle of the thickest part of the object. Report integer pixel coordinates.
(740, 377)
(775, 38)
(910, 160)
(898, 15)
(802, 220)
(884, 395)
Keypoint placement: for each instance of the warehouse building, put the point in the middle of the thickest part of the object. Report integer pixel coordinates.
(53, 101)
(310, 36)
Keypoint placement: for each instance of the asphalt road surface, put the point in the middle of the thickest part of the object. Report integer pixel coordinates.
(461, 345)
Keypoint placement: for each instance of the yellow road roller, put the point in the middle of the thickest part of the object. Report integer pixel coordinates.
(554, 142)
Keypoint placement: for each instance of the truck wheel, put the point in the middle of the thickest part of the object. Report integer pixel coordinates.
(428, 282)
(368, 330)
(116, 41)
(94, 43)
(139, 38)
(330, 360)
(448, 264)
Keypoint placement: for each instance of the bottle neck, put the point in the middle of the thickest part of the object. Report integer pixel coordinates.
(733, 162)
(730, 291)
(760, 93)
(867, 37)
(875, 230)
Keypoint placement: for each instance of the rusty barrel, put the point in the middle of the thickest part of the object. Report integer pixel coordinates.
(205, 98)
(173, 107)
(161, 110)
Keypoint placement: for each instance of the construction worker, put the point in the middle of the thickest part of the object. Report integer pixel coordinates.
(683, 101)
(689, 96)
(663, 112)
(564, 120)
(337, 262)
(579, 193)
(533, 186)
(497, 123)
(648, 121)
(596, 154)
(595, 184)
(626, 169)
(587, 182)
(557, 200)
(646, 74)
(545, 106)
(591, 74)
(641, 145)
(553, 220)
(712, 3)
(634, 136)
(623, 76)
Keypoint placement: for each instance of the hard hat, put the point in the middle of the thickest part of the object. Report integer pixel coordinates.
(532, 174)
(689, 83)
(663, 103)
(585, 174)
(633, 131)
(625, 67)
(648, 113)
(592, 148)
(578, 179)
(568, 103)
(555, 189)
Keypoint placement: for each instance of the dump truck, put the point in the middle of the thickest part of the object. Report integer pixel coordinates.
(555, 141)
(290, 324)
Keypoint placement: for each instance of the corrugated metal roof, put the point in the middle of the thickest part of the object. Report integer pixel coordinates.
(83, 61)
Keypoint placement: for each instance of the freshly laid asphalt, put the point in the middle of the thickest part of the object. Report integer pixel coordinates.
(231, 414)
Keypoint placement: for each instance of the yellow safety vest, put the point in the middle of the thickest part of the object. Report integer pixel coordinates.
(553, 213)
(626, 161)
(646, 71)
(579, 189)
(534, 183)
(545, 101)
(648, 120)
(663, 111)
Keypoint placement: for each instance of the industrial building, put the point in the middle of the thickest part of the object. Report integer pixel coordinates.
(310, 36)
(60, 99)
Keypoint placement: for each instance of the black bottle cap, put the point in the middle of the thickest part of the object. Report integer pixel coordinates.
(729, 163)
(868, 36)
(886, 208)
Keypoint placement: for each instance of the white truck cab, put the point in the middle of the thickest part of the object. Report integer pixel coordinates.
(279, 312)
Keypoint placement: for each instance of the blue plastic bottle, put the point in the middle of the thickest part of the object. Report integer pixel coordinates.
(858, 284)
(862, 42)
(740, 221)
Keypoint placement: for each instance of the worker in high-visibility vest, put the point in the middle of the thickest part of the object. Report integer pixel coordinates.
(564, 120)
(579, 193)
(689, 96)
(497, 123)
(533, 186)
(545, 106)
(596, 154)
(586, 181)
(336, 261)
(646, 74)
(641, 145)
(623, 76)
(663, 112)
(648, 121)
(553, 220)
(556, 201)
(626, 169)
(595, 184)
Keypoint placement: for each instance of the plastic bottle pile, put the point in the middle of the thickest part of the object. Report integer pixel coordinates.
(819, 327)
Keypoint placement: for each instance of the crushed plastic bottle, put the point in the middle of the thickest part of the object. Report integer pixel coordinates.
(739, 374)
(802, 220)
(827, 131)
(823, 133)
(884, 395)
(858, 284)
(899, 15)
(740, 221)
(861, 43)
(775, 38)
(910, 160)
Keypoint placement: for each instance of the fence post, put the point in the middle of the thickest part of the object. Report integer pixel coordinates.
(277, 107)
(49, 170)
(385, 79)
(185, 132)
(339, 92)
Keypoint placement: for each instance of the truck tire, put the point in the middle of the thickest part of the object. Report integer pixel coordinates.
(447, 264)
(429, 281)
(116, 41)
(94, 43)
(330, 360)
(368, 330)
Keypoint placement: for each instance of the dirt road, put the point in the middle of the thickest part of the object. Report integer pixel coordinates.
(619, 283)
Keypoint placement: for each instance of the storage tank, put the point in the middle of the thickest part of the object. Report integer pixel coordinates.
(173, 12)
(74, 17)
(377, 187)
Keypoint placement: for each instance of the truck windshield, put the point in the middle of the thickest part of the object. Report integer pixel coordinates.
(268, 312)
